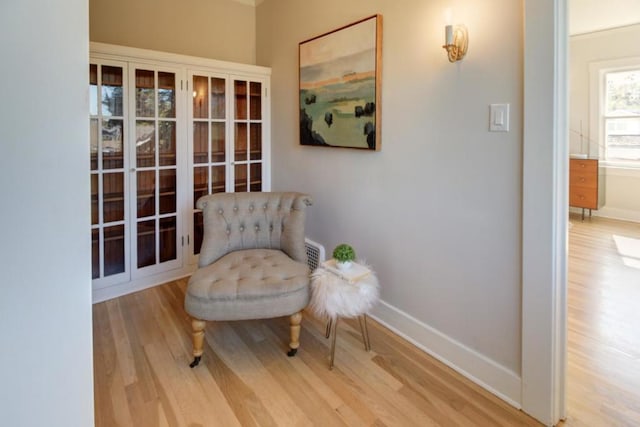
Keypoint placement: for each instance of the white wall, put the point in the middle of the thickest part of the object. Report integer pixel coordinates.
(545, 202)
(438, 211)
(45, 302)
(218, 29)
(621, 186)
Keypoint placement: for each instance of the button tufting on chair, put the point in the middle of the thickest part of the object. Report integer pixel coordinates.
(250, 276)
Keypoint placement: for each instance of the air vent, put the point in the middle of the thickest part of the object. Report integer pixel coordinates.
(315, 253)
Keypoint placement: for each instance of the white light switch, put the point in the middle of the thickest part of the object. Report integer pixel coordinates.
(499, 118)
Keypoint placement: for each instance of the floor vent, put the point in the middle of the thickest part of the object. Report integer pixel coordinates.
(315, 253)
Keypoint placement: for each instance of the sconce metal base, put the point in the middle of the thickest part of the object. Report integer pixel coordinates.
(458, 49)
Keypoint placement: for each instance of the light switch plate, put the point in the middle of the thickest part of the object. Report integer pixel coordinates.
(499, 118)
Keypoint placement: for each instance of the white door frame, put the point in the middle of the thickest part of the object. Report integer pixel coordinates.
(544, 210)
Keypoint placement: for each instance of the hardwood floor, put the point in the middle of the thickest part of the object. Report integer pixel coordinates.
(603, 387)
(142, 348)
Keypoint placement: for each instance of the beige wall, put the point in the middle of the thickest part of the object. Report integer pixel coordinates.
(218, 29)
(622, 186)
(437, 212)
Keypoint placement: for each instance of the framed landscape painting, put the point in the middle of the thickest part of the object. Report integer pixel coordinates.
(340, 75)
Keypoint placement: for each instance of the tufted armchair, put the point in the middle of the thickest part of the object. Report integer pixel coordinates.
(252, 262)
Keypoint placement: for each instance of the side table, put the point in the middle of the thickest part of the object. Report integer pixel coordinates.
(350, 293)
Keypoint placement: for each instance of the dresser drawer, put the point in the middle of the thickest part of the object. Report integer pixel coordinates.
(581, 197)
(583, 165)
(583, 179)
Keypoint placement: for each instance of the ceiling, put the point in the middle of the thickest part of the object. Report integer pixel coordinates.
(586, 16)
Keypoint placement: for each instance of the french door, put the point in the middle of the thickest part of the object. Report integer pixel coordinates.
(226, 146)
(154, 106)
(165, 132)
(108, 164)
(134, 158)
(208, 145)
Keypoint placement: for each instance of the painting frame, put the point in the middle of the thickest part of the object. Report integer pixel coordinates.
(339, 87)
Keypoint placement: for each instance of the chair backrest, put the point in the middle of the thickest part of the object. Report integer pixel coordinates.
(236, 221)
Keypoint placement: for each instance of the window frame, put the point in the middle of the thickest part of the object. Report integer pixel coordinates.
(597, 102)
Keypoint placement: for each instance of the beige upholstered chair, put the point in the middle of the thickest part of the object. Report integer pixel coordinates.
(252, 263)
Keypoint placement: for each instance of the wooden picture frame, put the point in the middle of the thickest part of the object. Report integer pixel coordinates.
(340, 74)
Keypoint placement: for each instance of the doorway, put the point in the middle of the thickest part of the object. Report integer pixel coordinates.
(604, 254)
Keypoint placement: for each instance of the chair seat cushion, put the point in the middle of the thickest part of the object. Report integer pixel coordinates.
(248, 284)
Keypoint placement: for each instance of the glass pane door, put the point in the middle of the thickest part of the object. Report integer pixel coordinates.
(208, 145)
(154, 122)
(247, 135)
(107, 163)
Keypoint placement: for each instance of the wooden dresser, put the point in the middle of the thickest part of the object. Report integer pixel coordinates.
(583, 184)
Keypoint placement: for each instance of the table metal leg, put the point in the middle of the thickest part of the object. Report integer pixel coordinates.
(334, 331)
(327, 331)
(364, 331)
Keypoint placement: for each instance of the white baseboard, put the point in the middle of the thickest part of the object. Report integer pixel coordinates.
(621, 214)
(478, 368)
(115, 291)
(611, 213)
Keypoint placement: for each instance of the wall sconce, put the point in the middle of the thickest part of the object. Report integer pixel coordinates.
(456, 40)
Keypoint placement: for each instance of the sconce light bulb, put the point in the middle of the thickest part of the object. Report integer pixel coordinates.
(448, 35)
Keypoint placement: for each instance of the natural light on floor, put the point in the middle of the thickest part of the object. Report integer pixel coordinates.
(629, 250)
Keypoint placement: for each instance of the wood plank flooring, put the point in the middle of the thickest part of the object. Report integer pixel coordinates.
(142, 347)
(603, 387)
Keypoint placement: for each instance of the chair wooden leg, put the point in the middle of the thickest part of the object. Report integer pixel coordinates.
(197, 326)
(294, 321)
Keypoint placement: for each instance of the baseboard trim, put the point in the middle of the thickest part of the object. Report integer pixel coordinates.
(497, 379)
(620, 214)
(115, 291)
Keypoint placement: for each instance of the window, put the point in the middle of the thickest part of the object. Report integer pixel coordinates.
(621, 115)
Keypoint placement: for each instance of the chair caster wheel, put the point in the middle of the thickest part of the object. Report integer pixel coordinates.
(292, 352)
(195, 362)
